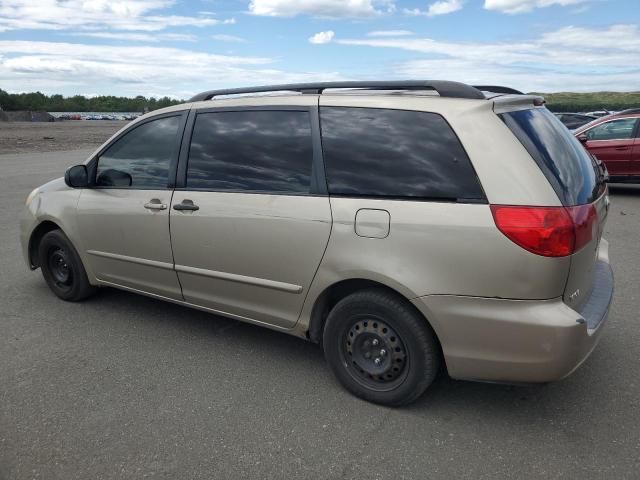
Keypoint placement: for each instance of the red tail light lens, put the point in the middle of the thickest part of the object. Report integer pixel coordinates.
(547, 231)
(585, 221)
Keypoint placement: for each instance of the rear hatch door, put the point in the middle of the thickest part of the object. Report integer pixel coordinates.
(578, 180)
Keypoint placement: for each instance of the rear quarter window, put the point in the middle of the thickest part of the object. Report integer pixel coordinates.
(395, 154)
(568, 167)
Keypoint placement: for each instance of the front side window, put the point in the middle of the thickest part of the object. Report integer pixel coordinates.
(614, 130)
(395, 154)
(142, 157)
(258, 151)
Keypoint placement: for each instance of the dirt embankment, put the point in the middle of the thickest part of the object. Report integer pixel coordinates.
(25, 137)
(26, 116)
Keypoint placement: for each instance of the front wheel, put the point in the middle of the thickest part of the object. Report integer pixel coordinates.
(62, 268)
(380, 348)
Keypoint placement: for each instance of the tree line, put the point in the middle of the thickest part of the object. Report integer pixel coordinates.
(80, 103)
(557, 102)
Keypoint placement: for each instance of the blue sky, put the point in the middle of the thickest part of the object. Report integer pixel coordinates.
(179, 47)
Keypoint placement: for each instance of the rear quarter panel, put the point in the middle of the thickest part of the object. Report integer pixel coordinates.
(437, 248)
(440, 248)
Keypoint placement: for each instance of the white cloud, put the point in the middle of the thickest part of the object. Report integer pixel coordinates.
(622, 37)
(321, 8)
(69, 68)
(522, 6)
(322, 37)
(221, 37)
(563, 59)
(390, 33)
(441, 7)
(138, 37)
(132, 15)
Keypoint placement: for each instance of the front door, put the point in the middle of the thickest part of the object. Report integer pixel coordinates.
(612, 143)
(124, 217)
(635, 153)
(250, 225)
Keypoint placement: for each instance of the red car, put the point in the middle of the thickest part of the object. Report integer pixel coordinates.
(615, 140)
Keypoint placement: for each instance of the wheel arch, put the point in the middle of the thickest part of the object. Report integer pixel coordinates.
(40, 231)
(331, 295)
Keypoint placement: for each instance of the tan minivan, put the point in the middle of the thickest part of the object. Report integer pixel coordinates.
(404, 225)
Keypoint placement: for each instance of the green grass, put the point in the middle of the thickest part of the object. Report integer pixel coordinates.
(586, 102)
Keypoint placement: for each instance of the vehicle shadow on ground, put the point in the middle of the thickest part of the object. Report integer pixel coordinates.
(444, 396)
(624, 189)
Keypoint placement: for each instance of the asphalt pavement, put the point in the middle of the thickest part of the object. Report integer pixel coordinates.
(123, 386)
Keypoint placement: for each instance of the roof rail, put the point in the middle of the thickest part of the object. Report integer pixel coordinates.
(442, 87)
(498, 89)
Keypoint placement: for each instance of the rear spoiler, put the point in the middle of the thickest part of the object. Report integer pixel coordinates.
(510, 103)
(499, 89)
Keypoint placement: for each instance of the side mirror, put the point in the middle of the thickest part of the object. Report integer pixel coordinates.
(77, 176)
(583, 138)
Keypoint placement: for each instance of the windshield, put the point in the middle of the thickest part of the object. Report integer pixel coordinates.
(570, 169)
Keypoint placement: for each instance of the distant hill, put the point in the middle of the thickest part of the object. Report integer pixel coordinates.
(587, 102)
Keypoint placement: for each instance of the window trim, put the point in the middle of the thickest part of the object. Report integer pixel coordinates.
(634, 131)
(92, 165)
(318, 186)
(483, 200)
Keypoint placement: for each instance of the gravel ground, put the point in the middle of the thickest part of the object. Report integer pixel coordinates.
(28, 137)
(124, 386)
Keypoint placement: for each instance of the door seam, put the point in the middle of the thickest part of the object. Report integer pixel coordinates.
(173, 256)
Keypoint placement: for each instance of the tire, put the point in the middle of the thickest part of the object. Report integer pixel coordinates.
(62, 268)
(406, 352)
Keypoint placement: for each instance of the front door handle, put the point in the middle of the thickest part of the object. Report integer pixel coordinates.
(186, 205)
(622, 148)
(155, 204)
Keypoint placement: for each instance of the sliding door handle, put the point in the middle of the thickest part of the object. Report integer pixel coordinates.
(186, 205)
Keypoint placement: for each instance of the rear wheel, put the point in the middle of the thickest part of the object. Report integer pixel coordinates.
(62, 268)
(380, 348)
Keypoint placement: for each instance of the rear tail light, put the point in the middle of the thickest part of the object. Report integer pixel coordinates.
(547, 231)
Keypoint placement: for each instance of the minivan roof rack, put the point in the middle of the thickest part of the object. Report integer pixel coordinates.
(444, 88)
(498, 89)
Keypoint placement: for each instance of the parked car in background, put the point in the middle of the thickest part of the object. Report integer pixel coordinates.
(615, 140)
(628, 111)
(575, 120)
(401, 231)
(599, 113)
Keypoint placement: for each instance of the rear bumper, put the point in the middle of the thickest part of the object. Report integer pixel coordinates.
(517, 341)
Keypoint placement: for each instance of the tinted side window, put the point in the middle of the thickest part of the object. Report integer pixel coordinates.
(395, 153)
(614, 130)
(262, 151)
(142, 157)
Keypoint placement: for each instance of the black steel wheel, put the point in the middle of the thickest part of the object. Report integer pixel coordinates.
(380, 347)
(58, 264)
(62, 268)
(374, 354)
